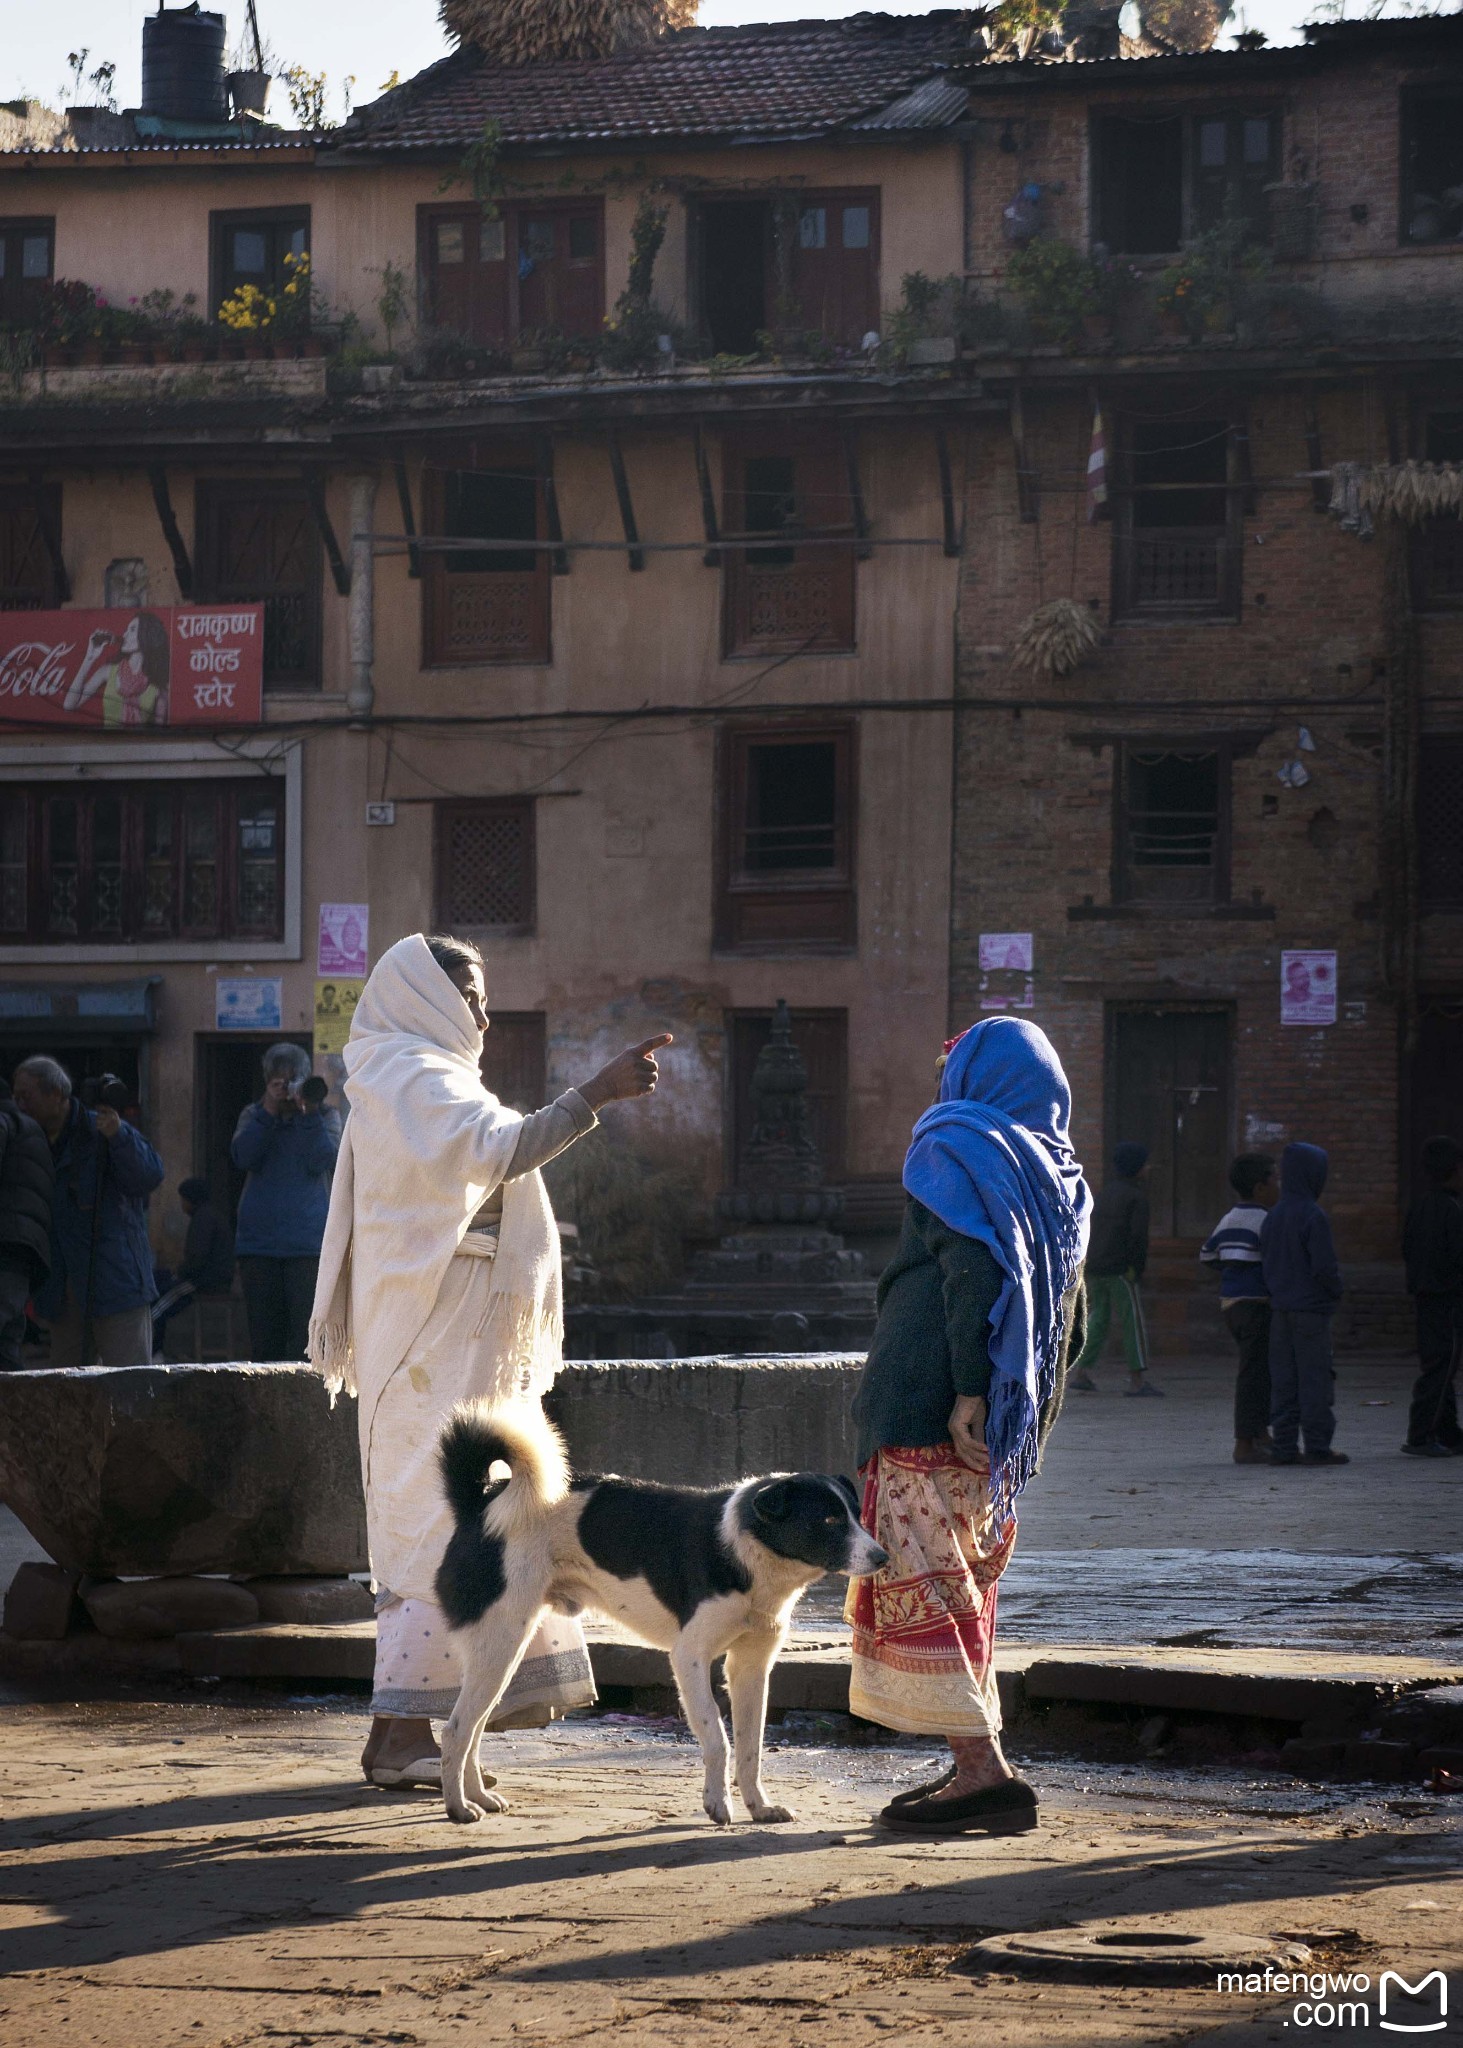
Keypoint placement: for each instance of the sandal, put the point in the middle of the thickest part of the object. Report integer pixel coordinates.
(425, 1772)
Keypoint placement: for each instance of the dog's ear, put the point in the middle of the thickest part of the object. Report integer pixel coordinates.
(850, 1493)
(772, 1503)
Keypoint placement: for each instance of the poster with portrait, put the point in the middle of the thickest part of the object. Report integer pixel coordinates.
(335, 1005)
(123, 670)
(1006, 962)
(344, 935)
(1308, 988)
(248, 1002)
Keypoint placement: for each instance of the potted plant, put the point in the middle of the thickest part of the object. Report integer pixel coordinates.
(1057, 285)
(1220, 276)
(247, 316)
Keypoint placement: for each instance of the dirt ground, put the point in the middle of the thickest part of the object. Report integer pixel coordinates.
(213, 1871)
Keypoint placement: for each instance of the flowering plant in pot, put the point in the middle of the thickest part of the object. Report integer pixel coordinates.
(1058, 287)
(1220, 275)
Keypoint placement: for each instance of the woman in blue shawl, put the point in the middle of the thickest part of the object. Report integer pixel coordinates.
(979, 1311)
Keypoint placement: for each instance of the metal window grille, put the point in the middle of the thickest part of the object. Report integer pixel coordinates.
(486, 867)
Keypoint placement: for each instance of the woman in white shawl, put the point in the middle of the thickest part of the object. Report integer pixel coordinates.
(440, 1282)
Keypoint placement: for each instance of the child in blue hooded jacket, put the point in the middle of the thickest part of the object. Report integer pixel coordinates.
(1303, 1279)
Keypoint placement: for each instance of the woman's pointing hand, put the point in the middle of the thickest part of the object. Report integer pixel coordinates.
(634, 1073)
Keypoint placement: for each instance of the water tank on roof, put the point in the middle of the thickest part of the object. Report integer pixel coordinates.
(183, 65)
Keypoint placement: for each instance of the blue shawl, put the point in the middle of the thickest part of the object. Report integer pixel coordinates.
(992, 1159)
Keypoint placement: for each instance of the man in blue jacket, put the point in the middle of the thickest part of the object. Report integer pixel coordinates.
(287, 1148)
(101, 1261)
(1303, 1280)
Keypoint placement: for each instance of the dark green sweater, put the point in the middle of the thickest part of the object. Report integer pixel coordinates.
(932, 1340)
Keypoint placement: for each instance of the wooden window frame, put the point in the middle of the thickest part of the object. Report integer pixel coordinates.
(1438, 748)
(796, 200)
(1441, 534)
(13, 290)
(445, 915)
(1191, 116)
(19, 502)
(1409, 98)
(511, 213)
(502, 1025)
(1124, 889)
(1127, 606)
(802, 910)
(540, 652)
(739, 574)
(211, 587)
(229, 794)
(219, 225)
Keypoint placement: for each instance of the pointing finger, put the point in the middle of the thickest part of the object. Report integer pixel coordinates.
(650, 1045)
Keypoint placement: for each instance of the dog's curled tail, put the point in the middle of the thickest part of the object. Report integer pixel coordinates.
(478, 1435)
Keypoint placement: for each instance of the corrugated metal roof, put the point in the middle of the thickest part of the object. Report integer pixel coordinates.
(934, 104)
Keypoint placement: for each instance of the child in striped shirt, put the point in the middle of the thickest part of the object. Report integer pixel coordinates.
(1234, 1247)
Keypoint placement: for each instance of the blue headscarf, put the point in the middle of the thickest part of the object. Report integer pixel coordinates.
(992, 1159)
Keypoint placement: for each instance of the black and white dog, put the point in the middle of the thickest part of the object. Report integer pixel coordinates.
(697, 1573)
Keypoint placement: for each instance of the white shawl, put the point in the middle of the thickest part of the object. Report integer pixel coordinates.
(424, 1146)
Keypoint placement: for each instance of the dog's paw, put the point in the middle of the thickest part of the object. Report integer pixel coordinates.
(767, 1812)
(494, 1802)
(466, 1814)
(718, 1806)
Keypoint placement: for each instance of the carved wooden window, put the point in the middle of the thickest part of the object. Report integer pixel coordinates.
(258, 544)
(787, 839)
(535, 267)
(1440, 821)
(514, 1064)
(1436, 547)
(27, 574)
(821, 1036)
(1177, 521)
(27, 259)
(1159, 178)
(792, 588)
(125, 862)
(488, 603)
(1172, 825)
(486, 866)
(252, 248)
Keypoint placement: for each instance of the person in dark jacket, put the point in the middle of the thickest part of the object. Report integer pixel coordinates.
(1432, 1245)
(101, 1262)
(1303, 1279)
(288, 1151)
(1115, 1261)
(208, 1254)
(27, 1183)
(977, 1313)
(1234, 1247)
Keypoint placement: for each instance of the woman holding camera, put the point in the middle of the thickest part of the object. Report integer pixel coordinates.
(286, 1143)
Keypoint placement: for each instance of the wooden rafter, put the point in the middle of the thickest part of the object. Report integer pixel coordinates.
(626, 503)
(340, 568)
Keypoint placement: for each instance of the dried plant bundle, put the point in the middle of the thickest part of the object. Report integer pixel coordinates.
(1409, 491)
(542, 31)
(1057, 636)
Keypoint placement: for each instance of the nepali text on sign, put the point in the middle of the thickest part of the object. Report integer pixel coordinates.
(169, 665)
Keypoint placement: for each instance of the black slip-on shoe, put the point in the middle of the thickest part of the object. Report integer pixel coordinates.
(1431, 1449)
(1324, 1458)
(1005, 1809)
(918, 1792)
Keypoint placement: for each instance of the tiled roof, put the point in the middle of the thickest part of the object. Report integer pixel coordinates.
(775, 80)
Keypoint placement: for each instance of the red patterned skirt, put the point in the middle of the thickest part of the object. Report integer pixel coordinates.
(924, 1626)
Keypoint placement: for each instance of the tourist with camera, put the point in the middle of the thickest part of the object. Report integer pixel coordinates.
(99, 1292)
(286, 1142)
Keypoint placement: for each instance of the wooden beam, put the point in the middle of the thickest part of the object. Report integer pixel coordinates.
(1027, 501)
(626, 503)
(50, 536)
(712, 556)
(1320, 485)
(954, 539)
(167, 519)
(408, 518)
(320, 512)
(551, 503)
(849, 437)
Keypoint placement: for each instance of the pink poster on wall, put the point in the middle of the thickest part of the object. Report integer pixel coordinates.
(344, 933)
(1308, 988)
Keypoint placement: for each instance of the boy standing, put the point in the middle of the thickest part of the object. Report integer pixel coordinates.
(1298, 1259)
(1432, 1244)
(1117, 1252)
(1234, 1246)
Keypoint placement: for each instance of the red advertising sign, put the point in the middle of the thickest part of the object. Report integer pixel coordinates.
(125, 670)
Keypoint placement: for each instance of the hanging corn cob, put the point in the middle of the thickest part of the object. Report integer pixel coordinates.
(1057, 636)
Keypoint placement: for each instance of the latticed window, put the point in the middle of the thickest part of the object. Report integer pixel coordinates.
(258, 544)
(486, 603)
(1440, 822)
(1437, 546)
(793, 589)
(138, 861)
(485, 866)
(1172, 826)
(787, 837)
(1177, 528)
(27, 575)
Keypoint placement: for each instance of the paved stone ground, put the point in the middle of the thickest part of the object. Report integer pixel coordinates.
(213, 1874)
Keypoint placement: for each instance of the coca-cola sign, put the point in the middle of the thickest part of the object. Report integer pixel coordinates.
(178, 665)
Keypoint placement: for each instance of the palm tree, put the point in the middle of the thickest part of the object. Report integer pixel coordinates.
(539, 31)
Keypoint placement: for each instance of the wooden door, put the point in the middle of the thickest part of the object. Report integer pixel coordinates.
(515, 1058)
(1169, 1089)
(1434, 1083)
